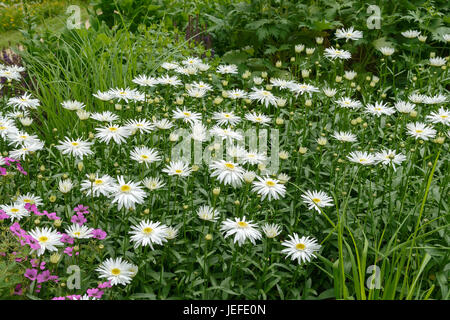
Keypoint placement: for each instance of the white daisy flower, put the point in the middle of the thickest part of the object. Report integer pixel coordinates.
(141, 125)
(15, 211)
(379, 109)
(98, 185)
(145, 81)
(270, 188)
(114, 132)
(317, 199)
(228, 173)
(127, 194)
(227, 69)
(404, 106)
(48, 239)
(332, 54)
(72, 105)
(178, 168)
(226, 133)
(263, 96)
(349, 34)
(228, 118)
(389, 157)
(241, 229)
(186, 115)
(75, 147)
(147, 233)
(301, 249)
(79, 232)
(106, 116)
(115, 270)
(441, 116)
(258, 118)
(271, 230)
(153, 183)
(208, 214)
(23, 102)
(145, 155)
(344, 136)
(420, 130)
(363, 158)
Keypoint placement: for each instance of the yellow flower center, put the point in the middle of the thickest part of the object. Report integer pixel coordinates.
(75, 144)
(147, 230)
(43, 239)
(14, 210)
(226, 115)
(178, 171)
(23, 137)
(115, 271)
(187, 114)
(125, 188)
(98, 181)
(144, 156)
(300, 246)
(229, 165)
(258, 119)
(77, 233)
(270, 183)
(27, 200)
(419, 131)
(2, 128)
(113, 129)
(242, 224)
(316, 200)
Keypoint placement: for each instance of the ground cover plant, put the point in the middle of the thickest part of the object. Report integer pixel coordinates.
(136, 164)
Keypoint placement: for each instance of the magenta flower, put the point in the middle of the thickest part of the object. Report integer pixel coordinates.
(104, 285)
(31, 274)
(98, 234)
(95, 293)
(78, 219)
(3, 215)
(80, 209)
(67, 239)
(18, 290)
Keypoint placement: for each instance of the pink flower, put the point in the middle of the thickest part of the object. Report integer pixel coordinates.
(3, 215)
(78, 219)
(18, 290)
(2, 171)
(59, 298)
(80, 209)
(31, 274)
(43, 277)
(98, 234)
(69, 251)
(104, 285)
(95, 293)
(67, 239)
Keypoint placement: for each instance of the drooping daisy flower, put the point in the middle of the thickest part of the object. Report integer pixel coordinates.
(145, 155)
(26, 149)
(301, 249)
(15, 211)
(202, 86)
(420, 130)
(253, 157)
(416, 98)
(332, 54)
(106, 116)
(153, 184)
(104, 96)
(199, 132)
(163, 124)
(236, 94)
(126, 94)
(437, 62)
(363, 158)
(75, 147)
(329, 92)
(141, 125)
(227, 69)
(65, 185)
(349, 34)
(72, 105)
(263, 96)
(171, 233)
(48, 239)
(145, 81)
(349, 103)
(411, 34)
(389, 157)
(178, 168)
(271, 230)
(442, 116)
(168, 80)
(186, 115)
(387, 51)
(404, 107)
(258, 118)
(301, 88)
(344, 136)
(350, 75)
(191, 61)
(196, 92)
(281, 83)
(437, 99)
(127, 194)
(241, 229)
(147, 233)
(270, 188)
(24, 102)
(169, 65)
(7, 127)
(77, 231)
(228, 173)
(379, 109)
(98, 185)
(117, 271)
(207, 213)
(114, 132)
(317, 199)
(228, 118)
(226, 133)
